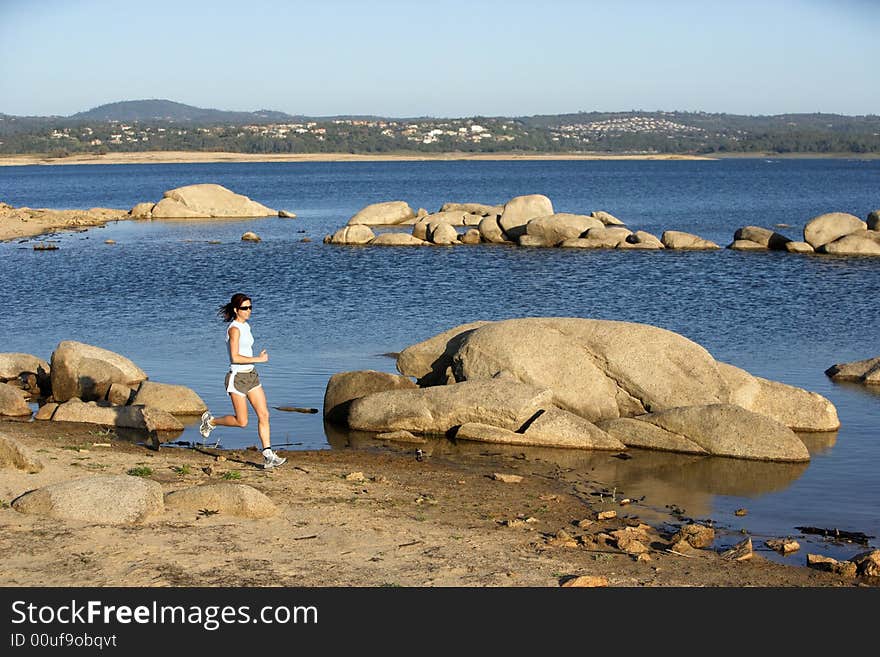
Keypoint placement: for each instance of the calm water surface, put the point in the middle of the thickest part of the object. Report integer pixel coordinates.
(320, 309)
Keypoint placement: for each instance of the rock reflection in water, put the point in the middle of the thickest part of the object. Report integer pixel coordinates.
(664, 478)
(818, 442)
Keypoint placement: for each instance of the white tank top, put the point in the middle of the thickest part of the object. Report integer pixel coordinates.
(245, 346)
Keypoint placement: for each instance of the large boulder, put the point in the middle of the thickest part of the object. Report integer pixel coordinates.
(596, 368)
(15, 455)
(556, 228)
(174, 399)
(587, 243)
(717, 429)
(105, 414)
(606, 218)
(831, 226)
(868, 563)
(383, 214)
(519, 210)
(351, 235)
(552, 428)
(344, 387)
(101, 499)
(481, 209)
(13, 365)
(26, 372)
(424, 227)
(444, 235)
(451, 217)
(609, 236)
(225, 497)
(796, 408)
(87, 372)
(12, 403)
(746, 245)
(561, 428)
(602, 369)
(641, 239)
(436, 410)
(142, 211)
(873, 222)
(207, 201)
(861, 371)
(397, 239)
(799, 247)
(637, 433)
(472, 236)
(763, 236)
(854, 244)
(428, 361)
(676, 239)
(491, 231)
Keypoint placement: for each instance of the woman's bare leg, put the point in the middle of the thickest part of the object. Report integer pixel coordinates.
(257, 398)
(240, 419)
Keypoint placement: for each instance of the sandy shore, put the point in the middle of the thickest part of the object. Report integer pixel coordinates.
(407, 522)
(168, 157)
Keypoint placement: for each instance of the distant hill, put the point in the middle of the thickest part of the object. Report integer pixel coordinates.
(167, 110)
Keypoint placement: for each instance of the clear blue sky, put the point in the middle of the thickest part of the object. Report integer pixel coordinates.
(446, 59)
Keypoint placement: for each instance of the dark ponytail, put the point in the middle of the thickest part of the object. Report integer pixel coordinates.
(227, 311)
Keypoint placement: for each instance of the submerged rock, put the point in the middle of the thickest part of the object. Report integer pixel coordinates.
(676, 239)
(351, 235)
(861, 371)
(397, 239)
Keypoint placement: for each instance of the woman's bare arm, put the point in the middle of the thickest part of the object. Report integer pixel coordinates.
(237, 358)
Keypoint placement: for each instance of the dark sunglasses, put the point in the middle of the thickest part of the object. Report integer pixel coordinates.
(245, 307)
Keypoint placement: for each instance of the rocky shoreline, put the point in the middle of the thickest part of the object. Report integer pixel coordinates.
(78, 475)
(357, 518)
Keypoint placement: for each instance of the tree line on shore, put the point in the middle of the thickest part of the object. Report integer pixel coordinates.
(624, 132)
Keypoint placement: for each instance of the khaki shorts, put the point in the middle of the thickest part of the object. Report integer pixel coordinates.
(241, 383)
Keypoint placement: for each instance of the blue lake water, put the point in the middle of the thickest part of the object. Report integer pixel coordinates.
(321, 309)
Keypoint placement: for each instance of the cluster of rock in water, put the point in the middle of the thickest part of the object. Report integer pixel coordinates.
(531, 221)
(579, 383)
(85, 383)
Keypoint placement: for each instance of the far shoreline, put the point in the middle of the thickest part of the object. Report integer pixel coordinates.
(197, 157)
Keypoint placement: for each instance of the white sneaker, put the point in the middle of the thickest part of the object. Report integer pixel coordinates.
(207, 427)
(272, 460)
